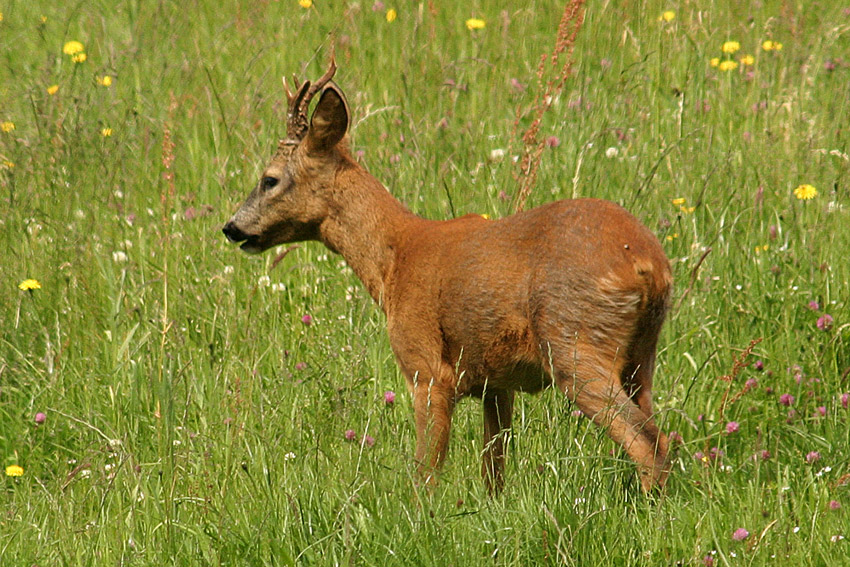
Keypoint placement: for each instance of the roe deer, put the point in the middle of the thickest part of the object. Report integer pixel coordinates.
(571, 294)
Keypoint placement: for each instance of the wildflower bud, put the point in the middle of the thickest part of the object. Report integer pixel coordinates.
(825, 322)
(40, 418)
(350, 435)
(772, 232)
(389, 397)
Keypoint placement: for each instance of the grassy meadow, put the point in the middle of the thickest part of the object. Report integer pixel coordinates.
(168, 400)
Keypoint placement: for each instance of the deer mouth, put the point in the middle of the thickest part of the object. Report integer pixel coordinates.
(250, 242)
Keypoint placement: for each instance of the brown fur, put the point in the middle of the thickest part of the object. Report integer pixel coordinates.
(572, 293)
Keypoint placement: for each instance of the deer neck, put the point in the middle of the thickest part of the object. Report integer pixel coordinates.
(367, 226)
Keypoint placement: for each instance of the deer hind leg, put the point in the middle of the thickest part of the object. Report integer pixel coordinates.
(498, 411)
(637, 372)
(591, 378)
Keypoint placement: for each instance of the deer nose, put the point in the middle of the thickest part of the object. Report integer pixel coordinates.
(234, 233)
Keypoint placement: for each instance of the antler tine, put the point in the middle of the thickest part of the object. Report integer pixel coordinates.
(318, 85)
(290, 95)
(299, 102)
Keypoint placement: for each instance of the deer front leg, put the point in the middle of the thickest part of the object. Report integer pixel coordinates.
(433, 405)
(498, 411)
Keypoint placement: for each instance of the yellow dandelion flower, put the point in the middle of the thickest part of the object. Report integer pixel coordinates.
(72, 48)
(29, 285)
(52, 89)
(805, 192)
(670, 237)
(760, 249)
(687, 210)
(679, 201)
(475, 24)
(7, 126)
(1, 16)
(731, 47)
(770, 45)
(668, 16)
(485, 216)
(305, 3)
(44, 19)
(105, 81)
(714, 62)
(777, 46)
(14, 470)
(79, 58)
(391, 15)
(748, 60)
(8, 164)
(106, 132)
(728, 65)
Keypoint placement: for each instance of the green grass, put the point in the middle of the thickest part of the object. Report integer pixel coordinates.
(193, 419)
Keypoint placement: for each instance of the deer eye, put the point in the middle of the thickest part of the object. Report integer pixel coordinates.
(269, 182)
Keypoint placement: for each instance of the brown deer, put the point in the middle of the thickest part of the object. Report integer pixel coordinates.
(572, 293)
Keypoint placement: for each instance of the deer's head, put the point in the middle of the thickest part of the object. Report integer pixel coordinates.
(290, 201)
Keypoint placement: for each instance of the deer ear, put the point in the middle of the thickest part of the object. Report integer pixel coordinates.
(330, 119)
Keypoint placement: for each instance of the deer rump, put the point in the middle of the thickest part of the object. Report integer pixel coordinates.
(571, 294)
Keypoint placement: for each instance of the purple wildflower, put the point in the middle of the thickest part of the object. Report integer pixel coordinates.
(368, 440)
(307, 319)
(40, 418)
(708, 561)
(740, 534)
(732, 427)
(825, 322)
(845, 400)
(675, 437)
(786, 399)
(350, 435)
(389, 397)
(516, 85)
(820, 411)
(765, 455)
(300, 365)
(759, 365)
(814, 305)
(834, 505)
(812, 457)
(553, 141)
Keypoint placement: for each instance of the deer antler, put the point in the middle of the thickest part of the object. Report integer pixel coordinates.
(297, 121)
(289, 96)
